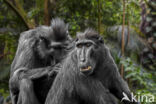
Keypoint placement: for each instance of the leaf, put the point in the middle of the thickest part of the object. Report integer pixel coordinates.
(131, 75)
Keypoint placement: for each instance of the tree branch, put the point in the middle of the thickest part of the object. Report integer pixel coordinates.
(21, 13)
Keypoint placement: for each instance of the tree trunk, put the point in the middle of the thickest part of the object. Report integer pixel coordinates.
(46, 13)
(123, 37)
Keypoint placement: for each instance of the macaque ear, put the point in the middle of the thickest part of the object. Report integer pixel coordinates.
(101, 40)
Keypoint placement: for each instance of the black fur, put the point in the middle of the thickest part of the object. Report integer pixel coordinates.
(36, 55)
(72, 86)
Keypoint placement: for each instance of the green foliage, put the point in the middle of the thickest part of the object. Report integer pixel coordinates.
(141, 81)
(4, 92)
(8, 49)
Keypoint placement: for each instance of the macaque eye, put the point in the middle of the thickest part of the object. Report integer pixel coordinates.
(46, 41)
(88, 44)
(57, 47)
(79, 45)
(42, 38)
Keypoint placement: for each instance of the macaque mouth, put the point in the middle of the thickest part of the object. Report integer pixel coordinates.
(85, 68)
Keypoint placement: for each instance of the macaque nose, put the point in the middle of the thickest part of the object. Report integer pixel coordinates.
(82, 56)
(82, 59)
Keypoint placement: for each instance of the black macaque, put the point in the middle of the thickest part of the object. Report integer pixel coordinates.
(88, 75)
(38, 55)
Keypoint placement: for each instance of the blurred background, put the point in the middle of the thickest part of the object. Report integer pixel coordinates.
(128, 28)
